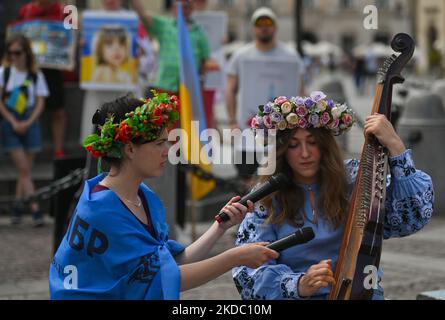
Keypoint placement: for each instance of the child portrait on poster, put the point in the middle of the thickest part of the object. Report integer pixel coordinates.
(111, 52)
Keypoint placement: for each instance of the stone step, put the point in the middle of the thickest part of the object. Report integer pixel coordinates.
(42, 171)
(42, 175)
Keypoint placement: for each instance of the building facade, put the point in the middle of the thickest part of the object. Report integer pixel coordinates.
(338, 21)
(152, 5)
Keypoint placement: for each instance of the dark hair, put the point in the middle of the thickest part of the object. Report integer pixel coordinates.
(332, 179)
(118, 109)
(26, 47)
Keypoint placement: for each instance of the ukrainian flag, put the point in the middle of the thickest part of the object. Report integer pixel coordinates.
(17, 99)
(192, 110)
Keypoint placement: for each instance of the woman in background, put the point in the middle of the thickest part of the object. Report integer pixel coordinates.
(23, 90)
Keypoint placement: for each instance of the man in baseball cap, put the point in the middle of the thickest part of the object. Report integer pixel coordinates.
(263, 14)
(264, 26)
(263, 50)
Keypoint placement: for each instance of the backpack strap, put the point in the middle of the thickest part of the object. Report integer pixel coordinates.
(32, 76)
(6, 74)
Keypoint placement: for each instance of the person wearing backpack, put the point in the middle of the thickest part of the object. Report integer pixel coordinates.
(52, 11)
(23, 90)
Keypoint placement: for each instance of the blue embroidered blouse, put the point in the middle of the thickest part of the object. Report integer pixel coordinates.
(409, 206)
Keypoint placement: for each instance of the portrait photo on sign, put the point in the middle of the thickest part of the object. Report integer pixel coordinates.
(108, 59)
(111, 53)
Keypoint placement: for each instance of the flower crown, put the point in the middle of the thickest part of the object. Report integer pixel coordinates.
(144, 124)
(304, 112)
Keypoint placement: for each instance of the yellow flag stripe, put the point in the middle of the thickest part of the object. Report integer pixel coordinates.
(199, 188)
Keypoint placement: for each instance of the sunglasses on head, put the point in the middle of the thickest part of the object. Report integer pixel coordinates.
(264, 22)
(15, 52)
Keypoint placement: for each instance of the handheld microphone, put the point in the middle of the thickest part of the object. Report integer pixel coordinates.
(298, 237)
(273, 184)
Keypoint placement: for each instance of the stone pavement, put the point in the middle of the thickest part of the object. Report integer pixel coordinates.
(24, 260)
(412, 265)
(416, 263)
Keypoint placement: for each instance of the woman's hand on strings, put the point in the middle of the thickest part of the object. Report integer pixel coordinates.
(317, 276)
(383, 130)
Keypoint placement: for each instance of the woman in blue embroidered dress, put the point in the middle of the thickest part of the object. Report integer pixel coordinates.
(117, 245)
(308, 152)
